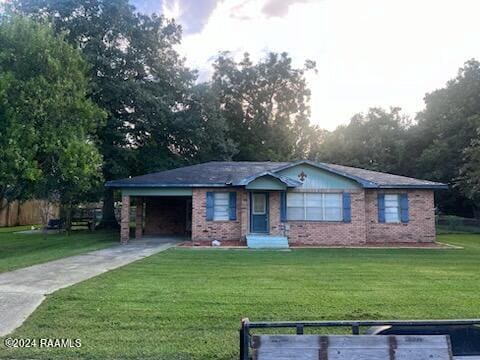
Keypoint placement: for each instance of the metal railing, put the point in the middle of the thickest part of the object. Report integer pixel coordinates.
(355, 326)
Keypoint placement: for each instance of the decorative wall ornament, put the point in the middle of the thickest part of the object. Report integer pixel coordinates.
(302, 176)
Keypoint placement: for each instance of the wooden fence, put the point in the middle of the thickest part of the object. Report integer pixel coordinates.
(30, 212)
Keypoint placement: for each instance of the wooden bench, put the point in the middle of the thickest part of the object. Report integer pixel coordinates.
(349, 347)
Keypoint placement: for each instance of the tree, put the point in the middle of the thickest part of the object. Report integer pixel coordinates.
(469, 179)
(46, 121)
(445, 129)
(265, 106)
(17, 153)
(138, 78)
(375, 141)
(448, 123)
(439, 145)
(210, 130)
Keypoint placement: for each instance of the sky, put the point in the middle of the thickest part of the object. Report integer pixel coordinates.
(368, 52)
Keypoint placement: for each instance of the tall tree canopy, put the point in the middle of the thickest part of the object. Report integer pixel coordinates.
(158, 118)
(209, 128)
(46, 120)
(138, 78)
(375, 140)
(446, 127)
(441, 144)
(265, 106)
(469, 180)
(448, 124)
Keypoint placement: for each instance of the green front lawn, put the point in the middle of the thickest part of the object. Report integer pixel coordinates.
(187, 303)
(20, 250)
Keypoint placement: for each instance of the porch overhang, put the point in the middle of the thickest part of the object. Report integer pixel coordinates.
(268, 181)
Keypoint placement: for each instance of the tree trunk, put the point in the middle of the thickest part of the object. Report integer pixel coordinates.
(7, 219)
(68, 218)
(108, 212)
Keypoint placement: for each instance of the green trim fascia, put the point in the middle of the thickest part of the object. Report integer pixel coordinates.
(157, 191)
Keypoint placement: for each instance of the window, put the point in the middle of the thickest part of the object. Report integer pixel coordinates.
(392, 208)
(220, 206)
(259, 204)
(314, 206)
(295, 206)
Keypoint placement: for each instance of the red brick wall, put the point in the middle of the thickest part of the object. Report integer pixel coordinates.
(165, 215)
(243, 200)
(421, 225)
(125, 219)
(276, 227)
(363, 228)
(331, 233)
(230, 230)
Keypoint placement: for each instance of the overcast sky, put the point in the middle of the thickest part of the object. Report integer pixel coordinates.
(368, 52)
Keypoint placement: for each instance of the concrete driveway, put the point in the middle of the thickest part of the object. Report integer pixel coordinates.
(23, 290)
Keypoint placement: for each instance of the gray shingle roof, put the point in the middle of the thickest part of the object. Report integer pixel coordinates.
(215, 173)
(385, 180)
(227, 173)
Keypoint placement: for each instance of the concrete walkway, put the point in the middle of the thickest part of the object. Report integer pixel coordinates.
(23, 290)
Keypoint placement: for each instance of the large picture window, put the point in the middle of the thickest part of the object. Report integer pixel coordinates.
(392, 208)
(220, 206)
(314, 206)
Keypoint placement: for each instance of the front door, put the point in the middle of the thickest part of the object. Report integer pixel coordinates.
(259, 212)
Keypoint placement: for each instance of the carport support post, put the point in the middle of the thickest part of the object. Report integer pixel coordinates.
(139, 219)
(125, 221)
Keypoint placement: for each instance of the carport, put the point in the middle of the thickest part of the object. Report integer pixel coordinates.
(159, 211)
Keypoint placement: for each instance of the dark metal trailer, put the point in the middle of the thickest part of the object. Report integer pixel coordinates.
(462, 336)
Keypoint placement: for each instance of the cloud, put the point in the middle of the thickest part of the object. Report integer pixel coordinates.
(368, 53)
(171, 9)
(279, 7)
(147, 6)
(241, 26)
(195, 14)
(191, 14)
(240, 11)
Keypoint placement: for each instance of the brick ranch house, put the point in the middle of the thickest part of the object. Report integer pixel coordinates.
(280, 203)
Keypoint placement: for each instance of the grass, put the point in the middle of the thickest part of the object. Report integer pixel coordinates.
(13, 229)
(187, 303)
(20, 250)
(460, 229)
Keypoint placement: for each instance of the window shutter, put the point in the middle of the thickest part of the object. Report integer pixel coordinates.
(283, 206)
(381, 208)
(210, 207)
(404, 208)
(232, 206)
(347, 208)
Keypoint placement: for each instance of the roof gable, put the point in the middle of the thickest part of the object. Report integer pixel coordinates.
(285, 180)
(315, 177)
(266, 183)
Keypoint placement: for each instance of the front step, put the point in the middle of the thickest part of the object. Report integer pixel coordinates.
(258, 241)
